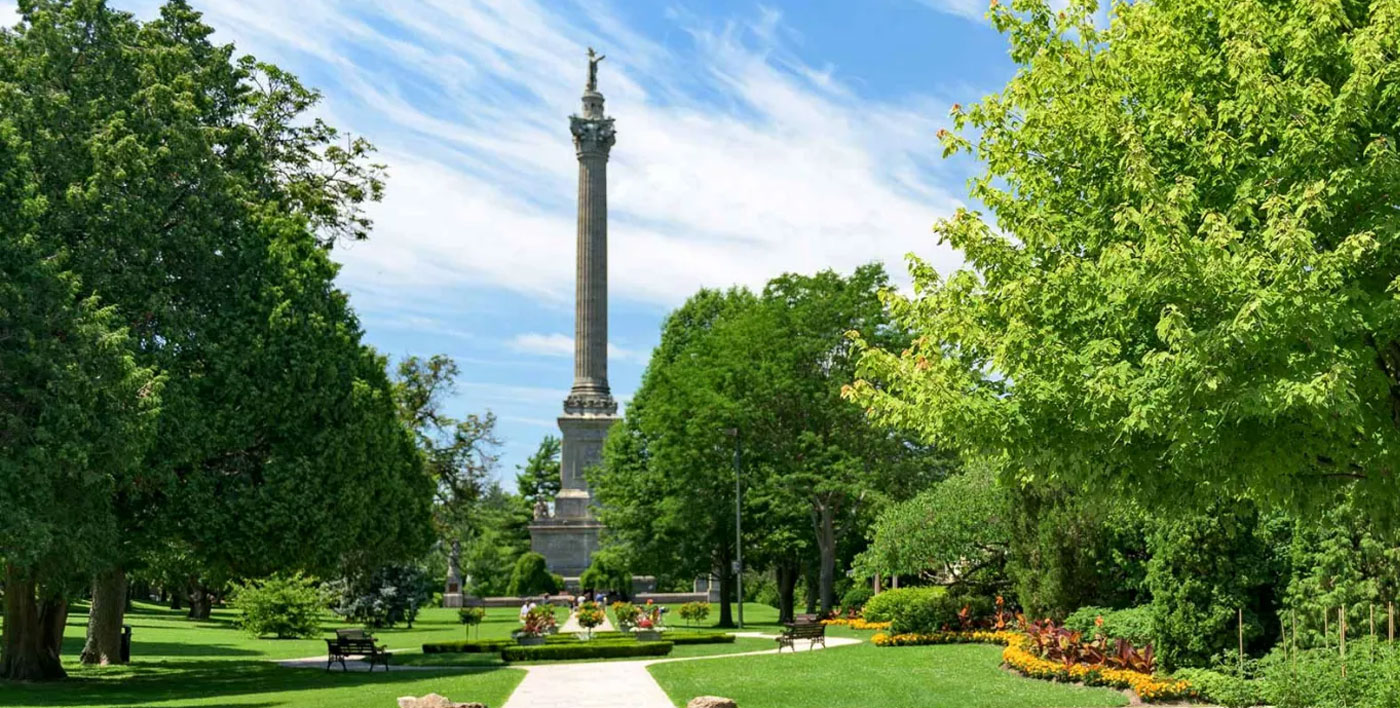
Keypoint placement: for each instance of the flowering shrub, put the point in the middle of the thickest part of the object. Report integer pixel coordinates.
(855, 623)
(695, 612)
(626, 614)
(1020, 655)
(590, 615)
(539, 621)
(977, 636)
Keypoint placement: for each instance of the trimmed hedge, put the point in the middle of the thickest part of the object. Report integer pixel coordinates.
(491, 646)
(586, 650)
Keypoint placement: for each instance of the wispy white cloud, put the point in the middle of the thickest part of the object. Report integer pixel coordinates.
(975, 10)
(546, 344)
(562, 345)
(735, 160)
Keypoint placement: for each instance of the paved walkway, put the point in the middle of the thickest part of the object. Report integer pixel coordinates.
(572, 625)
(611, 684)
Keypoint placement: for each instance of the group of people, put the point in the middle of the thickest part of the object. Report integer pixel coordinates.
(599, 597)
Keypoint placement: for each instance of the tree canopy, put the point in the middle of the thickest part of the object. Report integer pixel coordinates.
(1183, 285)
(770, 369)
(173, 211)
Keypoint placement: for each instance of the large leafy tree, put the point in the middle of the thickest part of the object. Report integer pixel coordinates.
(670, 460)
(1183, 286)
(188, 203)
(769, 368)
(458, 453)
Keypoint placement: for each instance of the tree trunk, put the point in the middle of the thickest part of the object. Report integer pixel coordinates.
(826, 542)
(787, 586)
(24, 656)
(809, 575)
(53, 620)
(200, 602)
(726, 591)
(104, 629)
(176, 599)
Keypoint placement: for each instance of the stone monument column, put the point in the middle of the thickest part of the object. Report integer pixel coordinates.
(568, 538)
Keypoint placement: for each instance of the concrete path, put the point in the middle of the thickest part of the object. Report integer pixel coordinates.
(611, 684)
(572, 625)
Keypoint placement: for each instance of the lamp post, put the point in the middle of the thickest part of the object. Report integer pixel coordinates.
(738, 533)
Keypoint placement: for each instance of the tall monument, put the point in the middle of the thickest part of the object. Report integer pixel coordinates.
(568, 538)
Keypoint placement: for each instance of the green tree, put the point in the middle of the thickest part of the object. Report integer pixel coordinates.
(496, 537)
(459, 454)
(1207, 568)
(770, 368)
(671, 451)
(531, 577)
(958, 531)
(607, 571)
(1185, 291)
(538, 480)
(216, 203)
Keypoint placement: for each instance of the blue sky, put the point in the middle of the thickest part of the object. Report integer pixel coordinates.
(753, 139)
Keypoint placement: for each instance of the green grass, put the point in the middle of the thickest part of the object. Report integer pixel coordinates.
(178, 662)
(866, 676)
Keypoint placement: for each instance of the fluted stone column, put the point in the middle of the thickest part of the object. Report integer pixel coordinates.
(568, 538)
(593, 139)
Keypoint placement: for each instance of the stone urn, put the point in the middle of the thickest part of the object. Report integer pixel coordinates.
(647, 635)
(529, 640)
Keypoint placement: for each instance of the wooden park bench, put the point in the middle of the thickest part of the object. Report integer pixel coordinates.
(813, 632)
(355, 642)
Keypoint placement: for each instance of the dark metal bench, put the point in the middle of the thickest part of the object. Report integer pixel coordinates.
(813, 632)
(355, 642)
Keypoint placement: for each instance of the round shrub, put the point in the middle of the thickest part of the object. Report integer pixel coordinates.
(881, 608)
(283, 606)
(532, 577)
(856, 597)
(1133, 624)
(927, 609)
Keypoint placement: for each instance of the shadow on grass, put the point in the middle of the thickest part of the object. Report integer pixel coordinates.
(141, 684)
(73, 646)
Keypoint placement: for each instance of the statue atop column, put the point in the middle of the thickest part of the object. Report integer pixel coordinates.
(593, 59)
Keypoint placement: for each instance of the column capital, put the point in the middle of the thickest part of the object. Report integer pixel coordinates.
(592, 136)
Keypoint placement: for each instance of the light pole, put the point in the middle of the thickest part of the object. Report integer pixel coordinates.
(738, 530)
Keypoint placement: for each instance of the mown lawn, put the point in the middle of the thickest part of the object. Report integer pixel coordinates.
(866, 676)
(177, 662)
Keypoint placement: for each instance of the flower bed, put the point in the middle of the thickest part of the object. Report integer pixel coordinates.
(1148, 687)
(1018, 656)
(855, 623)
(976, 636)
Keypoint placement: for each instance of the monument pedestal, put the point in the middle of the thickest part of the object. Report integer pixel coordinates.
(566, 544)
(568, 539)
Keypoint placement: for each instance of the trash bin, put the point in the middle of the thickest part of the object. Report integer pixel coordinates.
(126, 643)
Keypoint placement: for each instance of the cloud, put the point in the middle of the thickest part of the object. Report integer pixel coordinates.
(735, 160)
(544, 344)
(562, 345)
(975, 10)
